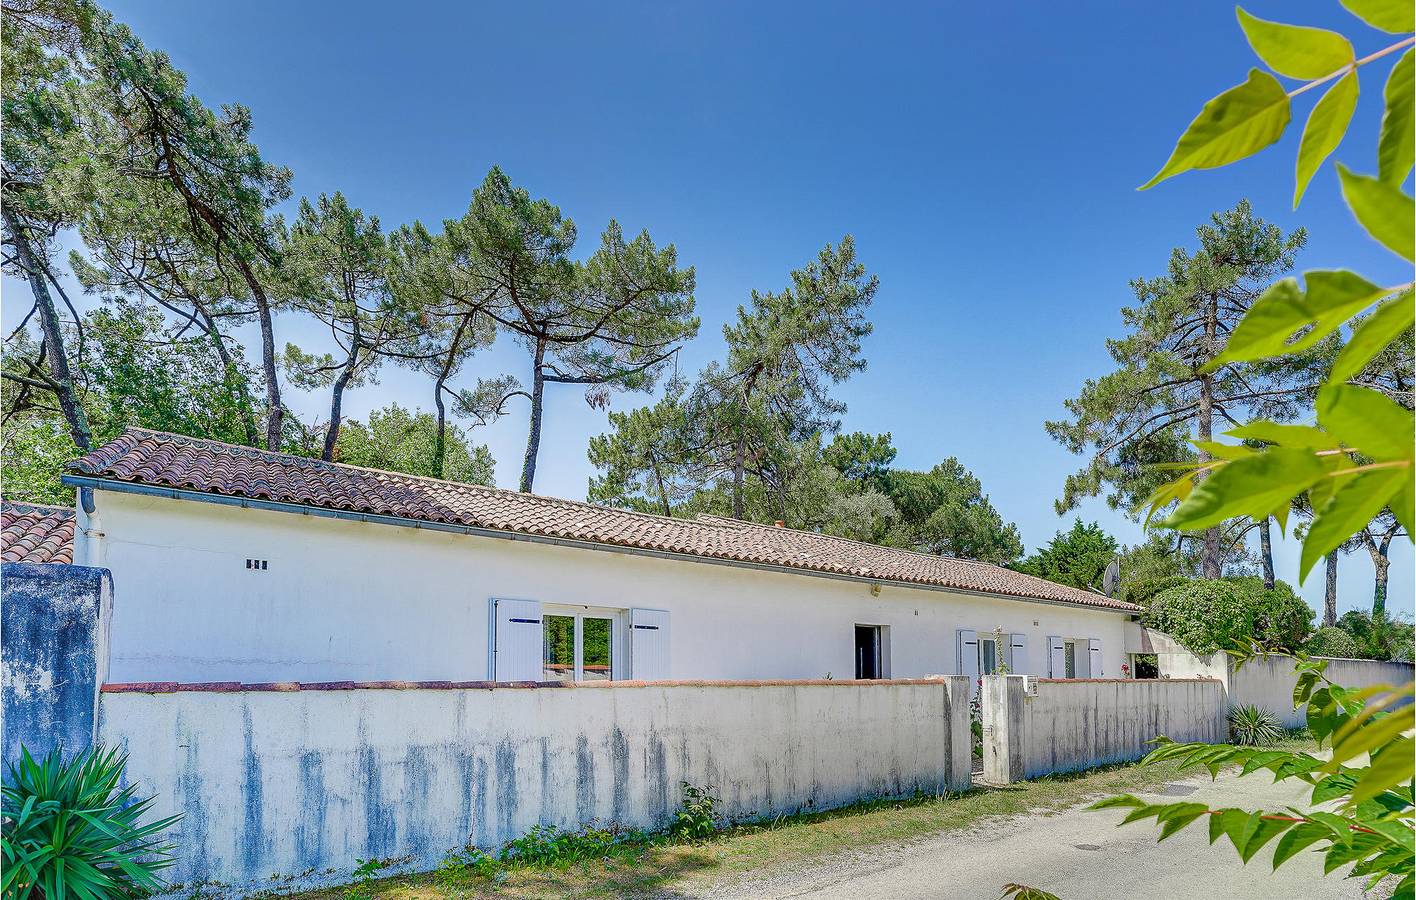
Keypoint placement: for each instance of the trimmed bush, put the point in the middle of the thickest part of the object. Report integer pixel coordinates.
(1333, 641)
(1211, 615)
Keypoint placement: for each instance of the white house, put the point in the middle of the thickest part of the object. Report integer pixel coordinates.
(235, 564)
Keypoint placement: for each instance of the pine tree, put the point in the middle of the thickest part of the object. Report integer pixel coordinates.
(1160, 395)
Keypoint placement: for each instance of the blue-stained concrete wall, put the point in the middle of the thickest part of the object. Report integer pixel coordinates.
(53, 643)
(282, 788)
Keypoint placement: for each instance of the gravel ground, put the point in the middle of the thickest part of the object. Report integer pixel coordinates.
(1074, 854)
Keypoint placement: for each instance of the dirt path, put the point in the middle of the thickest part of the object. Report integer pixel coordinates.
(1074, 854)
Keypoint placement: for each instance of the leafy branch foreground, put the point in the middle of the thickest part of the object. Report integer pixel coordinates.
(1362, 812)
(1356, 463)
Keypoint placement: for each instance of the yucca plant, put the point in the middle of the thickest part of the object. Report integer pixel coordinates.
(70, 830)
(1254, 726)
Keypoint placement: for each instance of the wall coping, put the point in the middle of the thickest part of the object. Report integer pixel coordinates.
(236, 687)
(1126, 680)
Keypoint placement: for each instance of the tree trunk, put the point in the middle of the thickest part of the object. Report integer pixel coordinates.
(663, 491)
(1209, 560)
(1330, 593)
(275, 410)
(533, 436)
(49, 324)
(1381, 562)
(233, 373)
(739, 460)
(1379, 591)
(1266, 551)
(336, 405)
(440, 436)
(336, 400)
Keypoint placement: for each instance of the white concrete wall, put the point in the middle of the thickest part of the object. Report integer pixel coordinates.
(1173, 660)
(1075, 725)
(344, 600)
(288, 789)
(1268, 682)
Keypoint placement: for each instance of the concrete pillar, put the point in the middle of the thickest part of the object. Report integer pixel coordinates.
(957, 694)
(1004, 728)
(53, 655)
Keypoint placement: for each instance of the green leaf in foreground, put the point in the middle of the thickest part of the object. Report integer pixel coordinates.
(1024, 892)
(1301, 837)
(1383, 210)
(1356, 501)
(1405, 509)
(1367, 421)
(1296, 50)
(1396, 150)
(1254, 486)
(1279, 434)
(1395, 16)
(1326, 126)
(1287, 319)
(1372, 336)
(1238, 123)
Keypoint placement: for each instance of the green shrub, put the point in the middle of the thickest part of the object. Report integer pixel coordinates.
(1254, 726)
(1381, 637)
(365, 874)
(1206, 616)
(547, 845)
(1332, 641)
(71, 831)
(698, 817)
(1142, 590)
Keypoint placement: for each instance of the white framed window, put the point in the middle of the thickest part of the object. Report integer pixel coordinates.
(581, 643)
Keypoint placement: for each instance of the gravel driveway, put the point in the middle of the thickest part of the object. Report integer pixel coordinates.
(1076, 854)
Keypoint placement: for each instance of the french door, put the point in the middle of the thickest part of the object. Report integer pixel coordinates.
(578, 645)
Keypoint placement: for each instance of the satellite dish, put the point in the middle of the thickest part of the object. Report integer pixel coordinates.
(1111, 578)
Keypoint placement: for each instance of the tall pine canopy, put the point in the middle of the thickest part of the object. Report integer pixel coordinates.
(1158, 398)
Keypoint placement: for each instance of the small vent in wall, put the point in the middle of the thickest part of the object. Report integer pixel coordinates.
(261, 564)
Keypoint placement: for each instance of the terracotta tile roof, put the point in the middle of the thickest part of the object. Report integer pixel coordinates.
(36, 534)
(173, 461)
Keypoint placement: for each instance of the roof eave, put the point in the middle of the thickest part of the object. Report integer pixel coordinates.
(129, 487)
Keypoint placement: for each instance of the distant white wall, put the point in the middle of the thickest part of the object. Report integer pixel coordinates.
(1074, 725)
(288, 789)
(346, 600)
(1268, 682)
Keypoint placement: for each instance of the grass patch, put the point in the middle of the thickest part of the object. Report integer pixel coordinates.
(644, 867)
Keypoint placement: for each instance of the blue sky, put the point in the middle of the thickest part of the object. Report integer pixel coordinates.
(985, 156)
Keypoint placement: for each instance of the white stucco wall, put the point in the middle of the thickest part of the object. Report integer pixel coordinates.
(1268, 682)
(280, 790)
(1073, 725)
(346, 600)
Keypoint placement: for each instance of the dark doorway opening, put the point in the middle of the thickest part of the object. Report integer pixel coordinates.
(867, 647)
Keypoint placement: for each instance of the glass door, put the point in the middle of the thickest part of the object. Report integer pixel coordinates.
(558, 648)
(578, 646)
